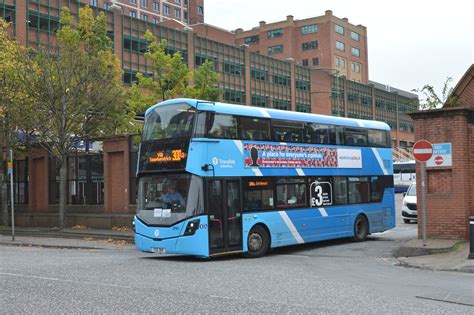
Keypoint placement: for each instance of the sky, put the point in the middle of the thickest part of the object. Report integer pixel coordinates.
(410, 43)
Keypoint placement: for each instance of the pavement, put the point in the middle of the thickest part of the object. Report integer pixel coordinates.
(438, 254)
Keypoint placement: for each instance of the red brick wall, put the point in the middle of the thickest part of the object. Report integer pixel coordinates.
(116, 174)
(449, 196)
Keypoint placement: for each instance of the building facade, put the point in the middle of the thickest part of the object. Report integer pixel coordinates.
(97, 192)
(325, 41)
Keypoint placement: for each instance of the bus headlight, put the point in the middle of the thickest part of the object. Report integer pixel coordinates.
(191, 227)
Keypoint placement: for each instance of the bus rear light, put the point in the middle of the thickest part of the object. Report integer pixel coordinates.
(191, 227)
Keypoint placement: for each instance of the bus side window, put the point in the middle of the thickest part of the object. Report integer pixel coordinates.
(258, 194)
(317, 133)
(257, 129)
(339, 186)
(336, 135)
(376, 189)
(222, 126)
(287, 131)
(358, 188)
(355, 136)
(200, 128)
(377, 138)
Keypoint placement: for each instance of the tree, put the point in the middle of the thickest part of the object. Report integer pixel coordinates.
(434, 101)
(170, 72)
(15, 100)
(206, 82)
(78, 92)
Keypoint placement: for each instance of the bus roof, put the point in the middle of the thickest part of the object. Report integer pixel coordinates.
(244, 110)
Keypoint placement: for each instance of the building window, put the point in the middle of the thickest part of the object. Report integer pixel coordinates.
(355, 36)
(273, 50)
(156, 20)
(259, 101)
(200, 10)
(144, 3)
(355, 67)
(252, 40)
(305, 62)
(340, 45)
(340, 62)
(355, 52)
(166, 10)
(156, 6)
(144, 17)
(177, 1)
(275, 33)
(133, 1)
(316, 61)
(258, 74)
(281, 104)
(339, 29)
(93, 3)
(107, 6)
(133, 14)
(185, 15)
(281, 79)
(185, 3)
(177, 13)
(309, 29)
(310, 45)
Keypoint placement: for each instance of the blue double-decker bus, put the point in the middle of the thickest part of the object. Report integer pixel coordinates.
(217, 178)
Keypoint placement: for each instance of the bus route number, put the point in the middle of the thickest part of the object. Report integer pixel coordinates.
(321, 194)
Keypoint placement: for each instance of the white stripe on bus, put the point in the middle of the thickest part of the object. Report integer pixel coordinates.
(291, 227)
(379, 160)
(323, 212)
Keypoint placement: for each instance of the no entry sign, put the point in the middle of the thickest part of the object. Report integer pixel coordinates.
(422, 151)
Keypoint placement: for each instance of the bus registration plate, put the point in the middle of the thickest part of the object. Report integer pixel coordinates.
(159, 250)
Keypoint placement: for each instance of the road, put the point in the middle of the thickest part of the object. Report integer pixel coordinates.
(328, 277)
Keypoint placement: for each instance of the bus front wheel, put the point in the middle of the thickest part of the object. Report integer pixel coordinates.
(361, 228)
(258, 242)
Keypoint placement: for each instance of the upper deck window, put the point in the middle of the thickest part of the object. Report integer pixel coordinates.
(257, 129)
(222, 126)
(169, 121)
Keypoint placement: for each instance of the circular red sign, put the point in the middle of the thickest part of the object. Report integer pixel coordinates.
(438, 160)
(422, 151)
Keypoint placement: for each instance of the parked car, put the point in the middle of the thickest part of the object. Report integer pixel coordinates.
(409, 210)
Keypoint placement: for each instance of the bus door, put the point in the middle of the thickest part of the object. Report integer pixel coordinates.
(225, 215)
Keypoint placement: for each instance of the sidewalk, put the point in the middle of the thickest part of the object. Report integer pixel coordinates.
(68, 238)
(440, 255)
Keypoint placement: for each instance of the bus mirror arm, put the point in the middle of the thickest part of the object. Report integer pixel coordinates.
(207, 168)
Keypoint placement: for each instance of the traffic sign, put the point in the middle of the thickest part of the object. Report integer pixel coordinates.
(422, 151)
(10, 167)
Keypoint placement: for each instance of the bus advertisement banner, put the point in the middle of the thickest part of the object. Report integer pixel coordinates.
(294, 156)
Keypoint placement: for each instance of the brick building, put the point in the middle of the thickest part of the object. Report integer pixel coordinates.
(324, 41)
(245, 77)
(449, 190)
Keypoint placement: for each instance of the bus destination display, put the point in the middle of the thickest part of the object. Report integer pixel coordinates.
(160, 156)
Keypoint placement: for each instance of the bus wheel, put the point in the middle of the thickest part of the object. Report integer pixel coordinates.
(257, 242)
(361, 228)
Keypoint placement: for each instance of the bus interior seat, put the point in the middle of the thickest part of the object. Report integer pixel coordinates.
(360, 142)
(350, 141)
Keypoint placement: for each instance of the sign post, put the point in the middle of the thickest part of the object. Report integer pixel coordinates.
(422, 152)
(12, 195)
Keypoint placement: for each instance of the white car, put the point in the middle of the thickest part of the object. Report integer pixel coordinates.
(409, 210)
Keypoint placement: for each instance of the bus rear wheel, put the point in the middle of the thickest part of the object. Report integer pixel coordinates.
(361, 228)
(258, 242)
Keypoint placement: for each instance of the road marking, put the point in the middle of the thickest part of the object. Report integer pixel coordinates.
(62, 280)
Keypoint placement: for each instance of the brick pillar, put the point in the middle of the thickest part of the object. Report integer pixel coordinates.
(449, 192)
(21, 21)
(38, 183)
(248, 90)
(118, 33)
(116, 174)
